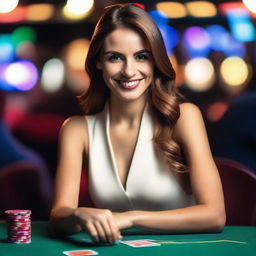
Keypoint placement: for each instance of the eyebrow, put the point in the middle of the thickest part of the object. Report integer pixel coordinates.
(138, 52)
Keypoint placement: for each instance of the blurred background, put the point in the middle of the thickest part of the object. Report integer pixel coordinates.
(43, 45)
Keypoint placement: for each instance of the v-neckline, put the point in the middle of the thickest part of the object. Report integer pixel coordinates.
(112, 154)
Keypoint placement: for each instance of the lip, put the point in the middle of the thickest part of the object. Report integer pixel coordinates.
(129, 84)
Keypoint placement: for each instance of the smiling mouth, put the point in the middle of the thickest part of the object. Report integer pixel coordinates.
(129, 84)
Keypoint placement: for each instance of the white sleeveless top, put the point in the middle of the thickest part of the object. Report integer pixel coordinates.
(150, 184)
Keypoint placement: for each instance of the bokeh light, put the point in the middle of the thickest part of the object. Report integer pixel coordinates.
(76, 52)
(8, 5)
(53, 75)
(217, 33)
(232, 47)
(159, 17)
(172, 9)
(199, 74)
(250, 4)
(170, 36)
(201, 9)
(22, 75)
(197, 41)
(26, 50)
(77, 9)
(39, 12)
(234, 71)
(7, 50)
(23, 34)
(18, 14)
(216, 110)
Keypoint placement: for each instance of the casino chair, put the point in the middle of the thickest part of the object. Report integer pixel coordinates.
(84, 195)
(239, 186)
(24, 186)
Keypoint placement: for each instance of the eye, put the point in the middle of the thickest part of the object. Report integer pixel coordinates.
(142, 56)
(114, 58)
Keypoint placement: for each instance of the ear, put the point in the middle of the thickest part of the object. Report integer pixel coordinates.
(98, 65)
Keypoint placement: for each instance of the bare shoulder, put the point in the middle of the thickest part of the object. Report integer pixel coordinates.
(74, 123)
(189, 110)
(189, 122)
(74, 129)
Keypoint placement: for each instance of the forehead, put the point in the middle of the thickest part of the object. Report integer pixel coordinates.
(124, 39)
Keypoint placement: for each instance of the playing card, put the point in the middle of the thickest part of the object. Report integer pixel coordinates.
(80, 252)
(140, 243)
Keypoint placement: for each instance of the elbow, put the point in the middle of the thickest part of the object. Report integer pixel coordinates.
(218, 221)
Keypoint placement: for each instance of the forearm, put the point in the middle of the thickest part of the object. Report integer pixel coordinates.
(197, 218)
(63, 221)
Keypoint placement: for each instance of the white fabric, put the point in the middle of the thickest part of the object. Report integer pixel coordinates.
(150, 184)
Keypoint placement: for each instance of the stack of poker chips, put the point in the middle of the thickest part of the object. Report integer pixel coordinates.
(18, 226)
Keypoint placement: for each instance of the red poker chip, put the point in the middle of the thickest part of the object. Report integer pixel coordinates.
(21, 221)
(19, 237)
(19, 233)
(19, 228)
(20, 241)
(18, 212)
(18, 217)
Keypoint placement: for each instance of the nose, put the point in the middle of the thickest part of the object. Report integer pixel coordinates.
(128, 69)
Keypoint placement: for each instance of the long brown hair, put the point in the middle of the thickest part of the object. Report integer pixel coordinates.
(163, 97)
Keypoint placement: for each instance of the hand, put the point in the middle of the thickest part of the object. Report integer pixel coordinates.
(99, 223)
(123, 220)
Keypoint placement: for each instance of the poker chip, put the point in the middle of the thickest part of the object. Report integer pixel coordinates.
(18, 226)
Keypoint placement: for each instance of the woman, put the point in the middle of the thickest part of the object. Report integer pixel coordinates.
(136, 138)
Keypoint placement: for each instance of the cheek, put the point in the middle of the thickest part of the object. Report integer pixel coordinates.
(147, 70)
(110, 70)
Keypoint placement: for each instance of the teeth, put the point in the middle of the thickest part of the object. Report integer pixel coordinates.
(129, 84)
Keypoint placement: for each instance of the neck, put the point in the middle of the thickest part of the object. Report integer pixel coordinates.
(128, 112)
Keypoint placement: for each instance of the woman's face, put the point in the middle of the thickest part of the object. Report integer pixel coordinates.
(127, 65)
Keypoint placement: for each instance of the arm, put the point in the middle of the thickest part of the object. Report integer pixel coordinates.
(209, 212)
(66, 217)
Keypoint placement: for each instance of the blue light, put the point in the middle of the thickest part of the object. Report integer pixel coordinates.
(7, 50)
(243, 31)
(232, 47)
(240, 25)
(217, 33)
(158, 17)
(197, 42)
(170, 36)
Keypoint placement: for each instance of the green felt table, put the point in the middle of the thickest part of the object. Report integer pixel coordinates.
(241, 241)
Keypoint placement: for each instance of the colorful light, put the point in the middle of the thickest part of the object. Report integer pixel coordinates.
(76, 52)
(8, 5)
(241, 27)
(53, 75)
(197, 41)
(251, 5)
(170, 36)
(217, 33)
(201, 9)
(22, 75)
(159, 17)
(6, 48)
(77, 9)
(234, 71)
(39, 12)
(172, 9)
(216, 110)
(23, 34)
(18, 14)
(199, 74)
(232, 47)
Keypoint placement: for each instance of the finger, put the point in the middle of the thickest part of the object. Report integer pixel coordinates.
(90, 228)
(109, 231)
(101, 231)
(114, 230)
